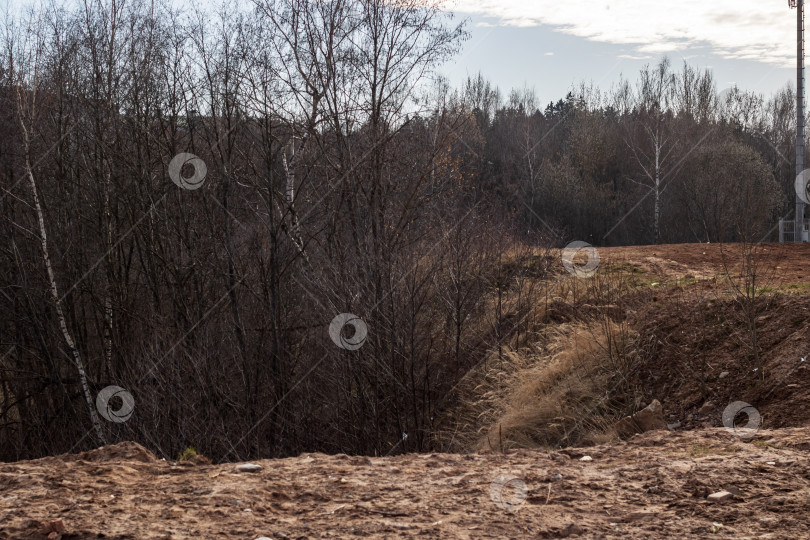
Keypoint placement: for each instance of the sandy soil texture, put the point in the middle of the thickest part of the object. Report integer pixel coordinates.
(655, 485)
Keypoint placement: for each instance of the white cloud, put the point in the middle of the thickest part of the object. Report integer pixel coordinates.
(743, 29)
(549, 54)
(634, 57)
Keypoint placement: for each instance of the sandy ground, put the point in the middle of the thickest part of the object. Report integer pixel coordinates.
(653, 486)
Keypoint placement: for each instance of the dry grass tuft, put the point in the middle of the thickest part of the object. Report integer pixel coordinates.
(569, 391)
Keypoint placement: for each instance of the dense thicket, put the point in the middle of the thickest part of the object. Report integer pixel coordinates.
(342, 177)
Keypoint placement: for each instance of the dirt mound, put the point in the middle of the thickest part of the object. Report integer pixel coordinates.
(125, 451)
(656, 484)
(702, 345)
(703, 356)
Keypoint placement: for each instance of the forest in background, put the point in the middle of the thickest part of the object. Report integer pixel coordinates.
(341, 175)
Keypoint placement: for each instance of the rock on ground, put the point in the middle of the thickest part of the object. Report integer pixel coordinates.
(649, 418)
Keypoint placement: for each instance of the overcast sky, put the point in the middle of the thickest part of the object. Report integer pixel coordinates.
(551, 44)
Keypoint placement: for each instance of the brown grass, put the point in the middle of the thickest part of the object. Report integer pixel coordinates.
(564, 397)
(568, 391)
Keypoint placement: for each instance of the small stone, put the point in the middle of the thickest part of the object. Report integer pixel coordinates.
(263, 538)
(649, 418)
(586, 458)
(721, 496)
(674, 425)
(248, 467)
(706, 408)
(52, 528)
(724, 375)
(572, 530)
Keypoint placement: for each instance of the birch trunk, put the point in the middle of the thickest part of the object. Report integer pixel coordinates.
(43, 238)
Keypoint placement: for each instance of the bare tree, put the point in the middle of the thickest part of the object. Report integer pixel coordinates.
(25, 49)
(650, 136)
